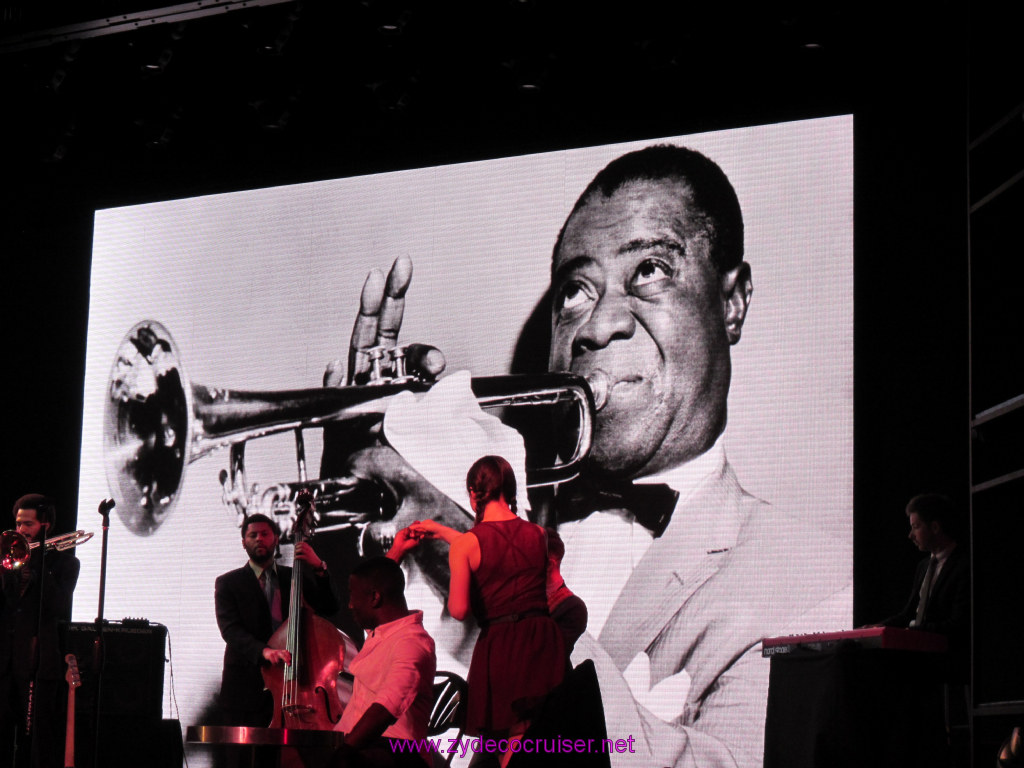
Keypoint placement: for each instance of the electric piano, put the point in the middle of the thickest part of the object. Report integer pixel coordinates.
(860, 697)
(891, 638)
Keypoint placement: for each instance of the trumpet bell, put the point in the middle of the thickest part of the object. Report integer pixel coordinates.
(14, 550)
(147, 426)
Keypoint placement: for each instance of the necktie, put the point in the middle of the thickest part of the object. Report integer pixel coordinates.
(273, 595)
(650, 504)
(926, 588)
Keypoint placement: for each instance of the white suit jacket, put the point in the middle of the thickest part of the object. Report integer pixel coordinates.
(700, 616)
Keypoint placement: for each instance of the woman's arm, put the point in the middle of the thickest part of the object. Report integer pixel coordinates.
(434, 530)
(463, 559)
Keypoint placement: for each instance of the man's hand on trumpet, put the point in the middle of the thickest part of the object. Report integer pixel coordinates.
(415, 500)
(351, 450)
(377, 324)
(381, 308)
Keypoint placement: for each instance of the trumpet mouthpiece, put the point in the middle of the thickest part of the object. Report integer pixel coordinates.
(599, 386)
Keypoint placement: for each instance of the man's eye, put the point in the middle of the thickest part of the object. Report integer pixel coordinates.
(651, 272)
(573, 296)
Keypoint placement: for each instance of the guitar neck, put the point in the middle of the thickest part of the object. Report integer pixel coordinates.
(73, 681)
(69, 733)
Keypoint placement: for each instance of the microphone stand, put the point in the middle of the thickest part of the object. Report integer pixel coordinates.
(97, 649)
(31, 708)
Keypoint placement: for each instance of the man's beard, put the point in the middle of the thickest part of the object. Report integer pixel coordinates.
(262, 560)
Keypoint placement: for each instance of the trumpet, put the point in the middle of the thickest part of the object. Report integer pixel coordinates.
(156, 423)
(15, 549)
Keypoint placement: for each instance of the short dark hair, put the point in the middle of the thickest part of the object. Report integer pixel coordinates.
(935, 508)
(490, 478)
(713, 194)
(46, 511)
(260, 518)
(556, 547)
(384, 575)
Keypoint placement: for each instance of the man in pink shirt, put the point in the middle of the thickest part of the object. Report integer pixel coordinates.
(394, 672)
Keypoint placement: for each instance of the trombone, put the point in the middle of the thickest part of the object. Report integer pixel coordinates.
(15, 549)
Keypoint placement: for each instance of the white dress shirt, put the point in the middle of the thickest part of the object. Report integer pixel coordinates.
(395, 669)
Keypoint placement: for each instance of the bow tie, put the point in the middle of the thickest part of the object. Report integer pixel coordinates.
(650, 504)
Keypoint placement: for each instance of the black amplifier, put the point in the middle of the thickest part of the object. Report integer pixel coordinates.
(133, 672)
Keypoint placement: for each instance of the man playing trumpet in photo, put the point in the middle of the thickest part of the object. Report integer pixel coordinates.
(649, 292)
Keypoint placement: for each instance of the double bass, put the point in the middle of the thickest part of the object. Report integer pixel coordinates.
(305, 691)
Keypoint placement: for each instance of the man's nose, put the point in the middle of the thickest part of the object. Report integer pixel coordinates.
(610, 319)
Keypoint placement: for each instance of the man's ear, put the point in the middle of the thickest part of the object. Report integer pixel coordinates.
(736, 289)
(376, 598)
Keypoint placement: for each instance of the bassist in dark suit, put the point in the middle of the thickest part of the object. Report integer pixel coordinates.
(251, 602)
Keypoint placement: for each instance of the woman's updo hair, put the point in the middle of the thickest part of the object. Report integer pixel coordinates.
(489, 479)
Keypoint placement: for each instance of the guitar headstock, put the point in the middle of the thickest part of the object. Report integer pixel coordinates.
(72, 676)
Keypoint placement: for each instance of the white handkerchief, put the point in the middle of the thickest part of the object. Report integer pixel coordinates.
(667, 699)
(442, 431)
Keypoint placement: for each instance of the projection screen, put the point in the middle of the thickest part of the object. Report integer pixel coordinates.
(259, 290)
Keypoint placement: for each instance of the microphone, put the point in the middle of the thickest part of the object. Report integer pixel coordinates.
(106, 505)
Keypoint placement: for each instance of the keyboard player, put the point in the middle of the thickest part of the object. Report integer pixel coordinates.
(940, 598)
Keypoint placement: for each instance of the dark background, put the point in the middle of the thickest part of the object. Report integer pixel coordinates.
(294, 92)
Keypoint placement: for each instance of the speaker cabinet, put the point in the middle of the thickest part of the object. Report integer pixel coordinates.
(124, 704)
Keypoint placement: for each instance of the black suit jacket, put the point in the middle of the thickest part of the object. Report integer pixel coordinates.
(19, 615)
(949, 606)
(245, 624)
(949, 602)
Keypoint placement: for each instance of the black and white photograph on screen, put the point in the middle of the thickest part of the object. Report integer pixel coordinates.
(701, 286)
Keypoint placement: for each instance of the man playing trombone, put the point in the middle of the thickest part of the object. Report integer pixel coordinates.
(36, 595)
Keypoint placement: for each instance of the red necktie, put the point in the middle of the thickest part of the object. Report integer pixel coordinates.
(273, 595)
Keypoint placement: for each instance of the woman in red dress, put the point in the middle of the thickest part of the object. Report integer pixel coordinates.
(498, 572)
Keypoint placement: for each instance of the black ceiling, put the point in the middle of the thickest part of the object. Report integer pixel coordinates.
(226, 93)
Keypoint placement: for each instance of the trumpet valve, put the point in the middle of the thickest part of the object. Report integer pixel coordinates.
(376, 355)
(233, 495)
(397, 355)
